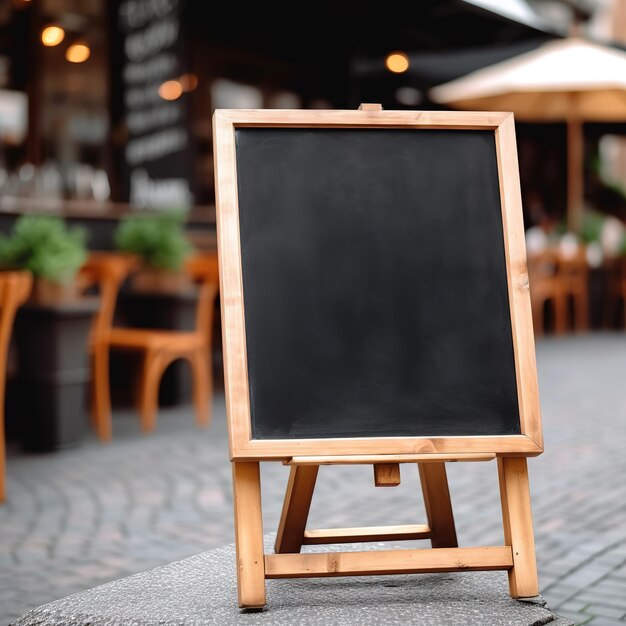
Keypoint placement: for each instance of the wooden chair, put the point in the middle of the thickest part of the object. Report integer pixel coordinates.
(547, 286)
(616, 290)
(160, 348)
(15, 288)
(573, 272)
(107, 271)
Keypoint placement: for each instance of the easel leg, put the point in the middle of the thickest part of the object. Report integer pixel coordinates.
(518, 525)
(296, 508)
(438, 506)
(249, 535)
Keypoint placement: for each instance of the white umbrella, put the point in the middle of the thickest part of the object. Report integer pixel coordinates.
(569, 80)
(517, 10)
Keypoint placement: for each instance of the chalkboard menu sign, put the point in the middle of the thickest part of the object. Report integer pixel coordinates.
(374, 282)
(375, 310)
(154, 76)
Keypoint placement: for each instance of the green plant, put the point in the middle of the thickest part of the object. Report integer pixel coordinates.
(159, 239)
(45, 246)
(591, 227)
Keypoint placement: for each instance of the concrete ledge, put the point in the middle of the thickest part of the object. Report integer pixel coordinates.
(201, 590)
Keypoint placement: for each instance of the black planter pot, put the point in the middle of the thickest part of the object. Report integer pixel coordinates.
(53, 373)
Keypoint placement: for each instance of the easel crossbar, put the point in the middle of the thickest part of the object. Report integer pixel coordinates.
(368, 459)
(367, 533)
(388, 562)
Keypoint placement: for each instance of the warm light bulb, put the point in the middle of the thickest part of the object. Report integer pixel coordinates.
(170, 90)
(77, 53)
(188, 82)
(397, 62)
(52, 35)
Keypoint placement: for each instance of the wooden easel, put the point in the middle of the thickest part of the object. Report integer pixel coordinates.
(516, 556)
(292, 533)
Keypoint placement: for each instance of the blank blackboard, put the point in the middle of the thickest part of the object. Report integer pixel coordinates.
(374, 283)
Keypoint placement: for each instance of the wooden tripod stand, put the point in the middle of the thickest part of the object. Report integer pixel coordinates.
(517, 556)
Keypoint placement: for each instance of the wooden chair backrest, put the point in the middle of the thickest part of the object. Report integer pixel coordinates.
(574, 266)
(543, 265)
(107, 271)
(203, 269)
(15, 287)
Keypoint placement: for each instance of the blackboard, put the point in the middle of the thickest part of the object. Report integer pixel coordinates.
(149, 54)
(376, 285)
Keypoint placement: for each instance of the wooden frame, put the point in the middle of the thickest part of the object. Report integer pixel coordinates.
(242, 446)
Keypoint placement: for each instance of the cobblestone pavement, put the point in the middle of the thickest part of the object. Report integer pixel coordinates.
(82, 517)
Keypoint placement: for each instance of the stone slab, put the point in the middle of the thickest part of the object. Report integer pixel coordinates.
(202, 590)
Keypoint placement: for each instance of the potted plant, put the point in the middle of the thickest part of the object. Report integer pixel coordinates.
(50, 251)
(51, 333)
(159, 241)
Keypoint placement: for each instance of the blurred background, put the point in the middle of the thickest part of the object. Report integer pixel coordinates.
(109, 265)
(105, 109)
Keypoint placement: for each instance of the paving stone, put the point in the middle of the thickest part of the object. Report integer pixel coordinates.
(605, 611)
(573, 606)
(579, 619)
(605, 621)
(585, 577)
(556, 596)
(594, 596)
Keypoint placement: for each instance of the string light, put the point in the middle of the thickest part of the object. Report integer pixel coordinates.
(188, 82)
(397, 62)
(52, 36)
(170, 90)
(78, 53)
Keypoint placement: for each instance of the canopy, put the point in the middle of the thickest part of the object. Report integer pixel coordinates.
(569, 80)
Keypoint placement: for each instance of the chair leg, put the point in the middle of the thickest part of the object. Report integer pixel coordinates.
(581, 303)
(92, 390)
(608, 308)
(3, 493)
(153, 365)
(202, 387)
(101, 402)
(560, 314)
